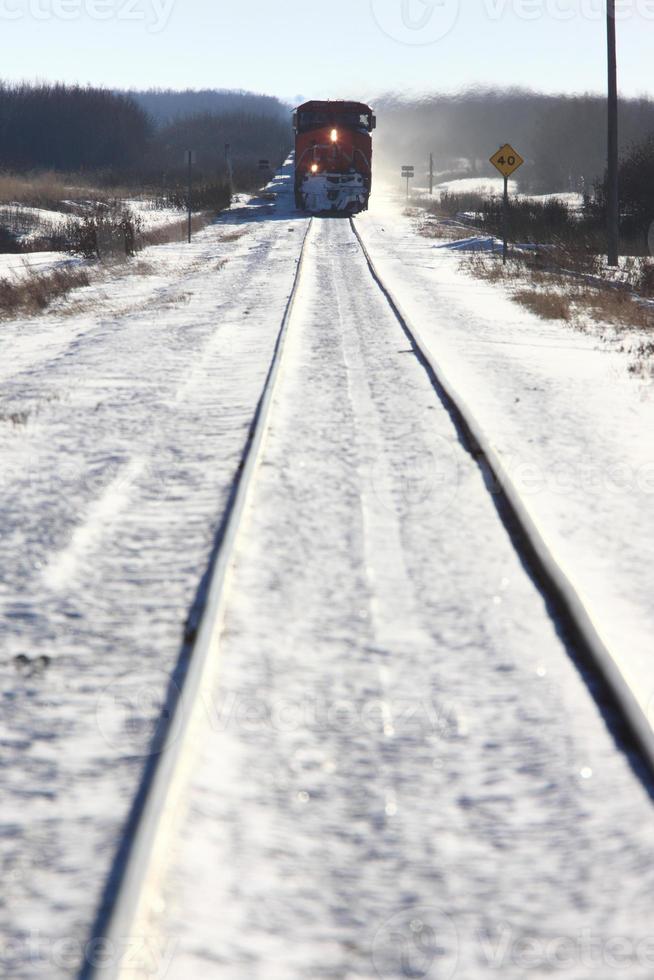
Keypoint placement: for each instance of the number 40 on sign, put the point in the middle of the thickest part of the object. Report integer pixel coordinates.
(507, 160)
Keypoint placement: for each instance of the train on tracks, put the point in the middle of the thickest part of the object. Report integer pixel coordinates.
(333, 156)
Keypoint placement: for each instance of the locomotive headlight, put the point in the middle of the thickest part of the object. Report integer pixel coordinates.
(334, 135)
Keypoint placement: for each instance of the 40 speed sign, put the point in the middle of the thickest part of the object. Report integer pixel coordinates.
(507, 160)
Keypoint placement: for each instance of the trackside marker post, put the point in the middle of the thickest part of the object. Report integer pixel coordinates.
(190, 157)
(506, 160)
(408, 173)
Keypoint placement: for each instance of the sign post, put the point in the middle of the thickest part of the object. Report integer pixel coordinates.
(431, 174)
(190, 157)
(506, 160)
(408, 172)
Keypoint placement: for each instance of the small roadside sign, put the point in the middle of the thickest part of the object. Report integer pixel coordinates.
(408, 173)
(507, 160)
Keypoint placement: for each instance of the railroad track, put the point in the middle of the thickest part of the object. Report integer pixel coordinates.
(140, 849)
(525, 531)
(134, 878)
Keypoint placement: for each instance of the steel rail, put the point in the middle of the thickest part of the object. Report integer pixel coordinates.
(114, 925)
(552, 576)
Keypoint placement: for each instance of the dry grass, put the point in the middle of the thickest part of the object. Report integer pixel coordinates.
(233, 236)
(549, 306)
(48, 190)
(490, 267)
(581, 302)
(559, 296)
(443, 230)
(37, 291)
(176, 231)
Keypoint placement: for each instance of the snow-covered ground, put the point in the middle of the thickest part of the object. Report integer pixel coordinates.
(401, 772)
(18, 266)
(122, 417)
(402, 769)
(569, 419)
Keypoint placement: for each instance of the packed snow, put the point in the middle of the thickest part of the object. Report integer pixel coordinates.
(401, 768)
(401, 771)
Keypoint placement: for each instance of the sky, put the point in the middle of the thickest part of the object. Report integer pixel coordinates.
(356, 49)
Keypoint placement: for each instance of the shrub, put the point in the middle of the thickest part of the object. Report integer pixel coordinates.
(109, 231)
(9, 241)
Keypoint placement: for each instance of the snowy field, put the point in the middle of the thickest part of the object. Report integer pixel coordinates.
(400, 757)
(15, 267)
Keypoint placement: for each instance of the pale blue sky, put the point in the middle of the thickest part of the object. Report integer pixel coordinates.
(336, 48)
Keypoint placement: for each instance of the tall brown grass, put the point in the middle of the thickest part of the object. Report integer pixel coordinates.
(36, 291)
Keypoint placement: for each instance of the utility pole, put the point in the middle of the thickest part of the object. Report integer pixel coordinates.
(190, 194)
(431, 174)
(613, 192)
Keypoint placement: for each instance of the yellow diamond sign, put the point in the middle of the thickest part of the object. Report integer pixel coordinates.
(507, 160)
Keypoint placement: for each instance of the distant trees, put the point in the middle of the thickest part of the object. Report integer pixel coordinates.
(636, 177)
(69, 128)
(251, 137)
(74, 129)
(164, 106)
(563, 138)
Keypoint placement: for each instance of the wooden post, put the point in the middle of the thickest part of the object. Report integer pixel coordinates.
(505, 222)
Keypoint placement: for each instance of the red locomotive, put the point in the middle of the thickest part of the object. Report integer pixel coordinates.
(333, 156)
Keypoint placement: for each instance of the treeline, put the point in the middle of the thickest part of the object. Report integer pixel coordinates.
(164, 106)
(250, 137)
(563, 138)
(138, 138)
(70, 128)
